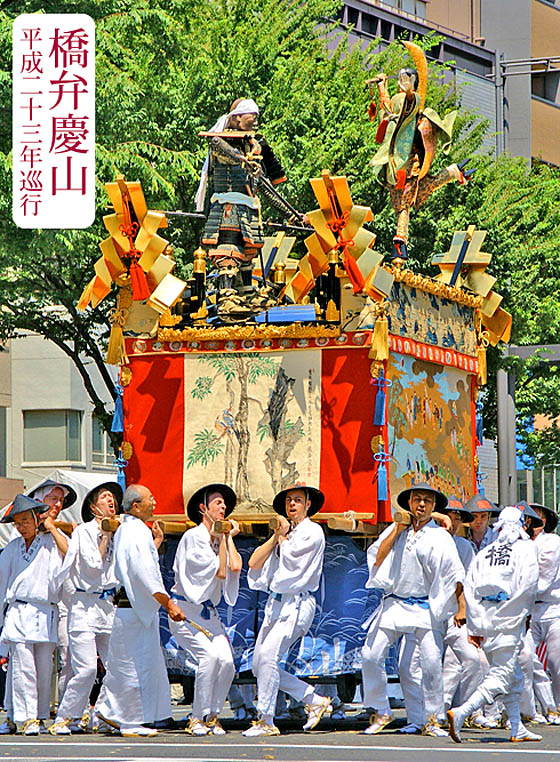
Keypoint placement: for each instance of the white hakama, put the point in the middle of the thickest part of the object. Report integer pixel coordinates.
(29, 588)
(419, 577)
(197, 590)
(136, 688)
(91, 613)
(290, 574)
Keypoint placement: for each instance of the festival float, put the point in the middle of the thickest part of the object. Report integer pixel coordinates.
(302, 357)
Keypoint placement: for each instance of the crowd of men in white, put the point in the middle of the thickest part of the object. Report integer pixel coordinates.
(470, 611)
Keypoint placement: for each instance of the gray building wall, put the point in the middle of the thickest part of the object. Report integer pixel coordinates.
(44, 378)
(488, 466)
(506, 25)
(478, 95)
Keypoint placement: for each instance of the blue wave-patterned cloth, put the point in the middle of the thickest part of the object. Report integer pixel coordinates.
(334, 642)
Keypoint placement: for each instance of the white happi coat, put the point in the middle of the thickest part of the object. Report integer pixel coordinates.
(89, 575)
(291, 573)
(510, 570)
(548, 590)
(28, 584)
(293, 570)
(136, 684)
(137, 567)
(420, 564)
(196, 564)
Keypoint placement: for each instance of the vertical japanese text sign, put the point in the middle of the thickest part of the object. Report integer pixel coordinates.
(53, 120)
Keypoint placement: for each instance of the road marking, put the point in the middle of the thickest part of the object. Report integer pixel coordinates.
(495, 748)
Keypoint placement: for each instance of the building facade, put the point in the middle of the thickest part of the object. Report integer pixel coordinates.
(48, 419)
(504, 53)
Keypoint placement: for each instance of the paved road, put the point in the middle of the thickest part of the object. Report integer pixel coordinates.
(322, 746)
(342, 745)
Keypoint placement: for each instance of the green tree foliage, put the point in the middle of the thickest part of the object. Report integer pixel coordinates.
(167, 69)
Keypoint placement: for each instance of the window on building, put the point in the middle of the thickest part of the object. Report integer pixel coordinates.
(101, 450)
(546, 486)
(386, 30)
(537, 486)
(549, 492)
(52, 436)
(414, 7)
(545, 85)
(339, 14)
(369, 24)
(353, 17)
(522, 485)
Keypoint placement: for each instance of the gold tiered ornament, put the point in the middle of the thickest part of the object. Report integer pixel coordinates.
(134, 258)
(339, 251)
(464, 267)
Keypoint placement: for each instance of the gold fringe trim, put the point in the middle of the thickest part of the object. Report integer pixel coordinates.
(483, 340)
(482, 368)
(437, 288)
(116, 351)
(228, 333)
(379, 349)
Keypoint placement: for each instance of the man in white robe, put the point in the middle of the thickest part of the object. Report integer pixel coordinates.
(59, 496)
(500, 590)
(28, 568)
(461, 660)
(89, 567)
(461, 666)
(419, 569)
(207, 567)
(288, 566)
(545, 619)
(483, 511)
(136, 689)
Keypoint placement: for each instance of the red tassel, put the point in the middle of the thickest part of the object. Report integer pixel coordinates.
(372, 111)
(381, 130)
(354, 273)
(401, 179)
(140, 289)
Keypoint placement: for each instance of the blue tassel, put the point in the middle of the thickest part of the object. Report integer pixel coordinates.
(382, 384)
(479, 422)
(382, 491)
(118, 416)
(480, 477)
(121, 464)
(382, 458)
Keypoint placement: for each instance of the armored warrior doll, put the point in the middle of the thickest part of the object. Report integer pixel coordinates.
(239, 165)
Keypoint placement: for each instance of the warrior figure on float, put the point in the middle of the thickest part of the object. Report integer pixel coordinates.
(239, 164)
(408, 133)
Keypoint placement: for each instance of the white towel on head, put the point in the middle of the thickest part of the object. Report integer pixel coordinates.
(245, 106)
(509, 526)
